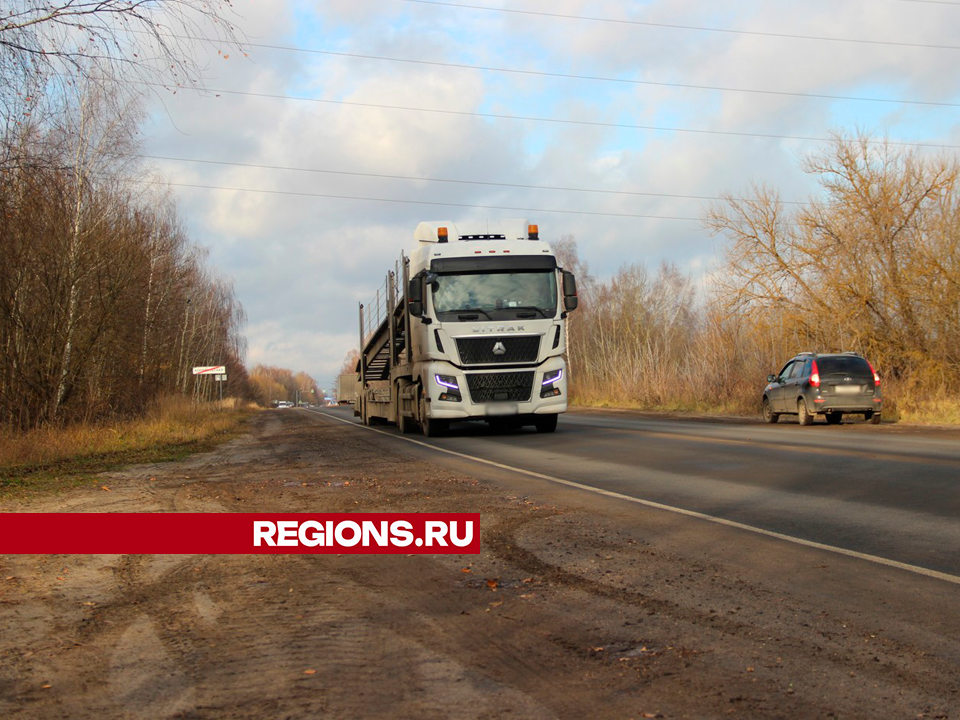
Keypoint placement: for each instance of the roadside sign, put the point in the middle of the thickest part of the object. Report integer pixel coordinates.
(221, 378)
(210, 370)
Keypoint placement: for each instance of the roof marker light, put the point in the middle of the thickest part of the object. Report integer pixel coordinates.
(442, 234)
(533, 232)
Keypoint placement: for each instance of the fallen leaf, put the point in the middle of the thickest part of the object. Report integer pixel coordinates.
(89, 604)
(104, 487)
(597, 649)
(46, 687)
(527, 580)
(465, 570)
(492, 583)
(309, 672)
(9, 577)
(498, 603)
(749, 669)
(60, 578)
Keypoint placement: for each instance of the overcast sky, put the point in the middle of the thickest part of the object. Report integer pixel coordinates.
(301, 263)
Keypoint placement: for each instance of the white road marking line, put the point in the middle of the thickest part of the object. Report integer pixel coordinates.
(946, 577)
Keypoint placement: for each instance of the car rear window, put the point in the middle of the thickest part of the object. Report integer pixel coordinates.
(844, 365)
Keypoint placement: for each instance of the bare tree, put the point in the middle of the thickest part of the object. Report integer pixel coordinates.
(149, 37)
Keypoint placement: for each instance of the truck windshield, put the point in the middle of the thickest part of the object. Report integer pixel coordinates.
(497, 295)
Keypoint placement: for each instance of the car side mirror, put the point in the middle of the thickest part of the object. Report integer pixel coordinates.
(415, 296)
(570, 299)
(771, 378)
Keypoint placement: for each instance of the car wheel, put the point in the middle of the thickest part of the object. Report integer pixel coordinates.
(768, 414)
(545, 423)
(834, 418)
(874, 417)
(805, 417)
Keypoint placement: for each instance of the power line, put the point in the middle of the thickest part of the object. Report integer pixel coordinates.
(562, 121)
(446, 180)
(416, 202)
(593, 78)
(698, 28)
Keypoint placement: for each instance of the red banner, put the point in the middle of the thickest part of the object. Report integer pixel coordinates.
(239, 533)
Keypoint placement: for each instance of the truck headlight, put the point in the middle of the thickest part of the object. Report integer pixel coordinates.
(551, 377)
(448, 381)
(549, 385)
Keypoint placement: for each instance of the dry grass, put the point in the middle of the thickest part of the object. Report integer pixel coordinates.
(175, 427)
(937, 411)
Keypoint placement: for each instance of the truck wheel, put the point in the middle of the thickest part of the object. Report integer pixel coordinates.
(805, 417)
(834, 418)
(431, 427)
(769, 415)
(405, 424)
(546, 423)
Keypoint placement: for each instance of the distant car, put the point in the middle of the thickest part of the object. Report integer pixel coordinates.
(832, 385)
(284, 404)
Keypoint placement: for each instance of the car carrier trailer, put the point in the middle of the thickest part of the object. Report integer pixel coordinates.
(470, 326)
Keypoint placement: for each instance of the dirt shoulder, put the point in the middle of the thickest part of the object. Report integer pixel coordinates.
(569, 611)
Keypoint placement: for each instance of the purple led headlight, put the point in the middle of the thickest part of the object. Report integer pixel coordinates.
(447, 381)
(552, 377)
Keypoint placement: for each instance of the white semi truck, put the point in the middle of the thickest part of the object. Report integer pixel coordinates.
(470, 326)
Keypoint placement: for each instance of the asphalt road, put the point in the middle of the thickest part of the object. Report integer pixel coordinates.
(885, 491)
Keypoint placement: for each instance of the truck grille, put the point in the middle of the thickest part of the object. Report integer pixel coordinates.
(500, 387)
(513, 349)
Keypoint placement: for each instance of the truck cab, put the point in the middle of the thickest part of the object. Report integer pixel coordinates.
(484, 330)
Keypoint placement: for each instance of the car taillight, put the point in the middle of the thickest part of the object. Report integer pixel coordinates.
(815, 375)
(876, 378)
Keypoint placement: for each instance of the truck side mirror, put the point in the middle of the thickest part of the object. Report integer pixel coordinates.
(570, 299)
(415, 296)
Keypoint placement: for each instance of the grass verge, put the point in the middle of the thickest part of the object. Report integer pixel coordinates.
(51, 459)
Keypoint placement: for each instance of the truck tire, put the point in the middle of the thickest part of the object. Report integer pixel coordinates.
(545, 423)
(431, 427)
(406, 424)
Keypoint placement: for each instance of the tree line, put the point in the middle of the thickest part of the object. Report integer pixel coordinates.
(870, 264)
(105, 302)
(269, 384)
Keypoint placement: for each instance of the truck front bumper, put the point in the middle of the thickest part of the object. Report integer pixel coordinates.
(483, 397)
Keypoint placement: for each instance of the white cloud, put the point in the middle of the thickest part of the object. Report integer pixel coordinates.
(302, 264)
